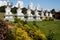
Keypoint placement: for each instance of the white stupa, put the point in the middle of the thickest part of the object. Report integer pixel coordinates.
(8, 14)
(47, 14)
(37, 14)
(30, 16)
(42, 14)
(50, 14)
(19, 12)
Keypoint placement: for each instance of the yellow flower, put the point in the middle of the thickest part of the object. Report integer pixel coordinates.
(43, 36)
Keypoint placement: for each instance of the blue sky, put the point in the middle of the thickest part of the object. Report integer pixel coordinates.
(43, 3)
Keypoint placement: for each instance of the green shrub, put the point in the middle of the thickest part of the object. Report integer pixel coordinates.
(16, 20)
(48, 19)
(27, 33)
(51, 19)
(51, 35)
(20, 32)
(36, 34)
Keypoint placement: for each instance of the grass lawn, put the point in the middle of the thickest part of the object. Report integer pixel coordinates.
(45, 26)
(1, 15)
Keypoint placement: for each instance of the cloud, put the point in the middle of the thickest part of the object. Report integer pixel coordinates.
(4, 3)
(1, 3)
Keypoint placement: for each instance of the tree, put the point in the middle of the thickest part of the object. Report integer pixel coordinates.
(53, 11)
(32, 12)
(51, 35)
(2, 8)
(14, 10)
(24, 10)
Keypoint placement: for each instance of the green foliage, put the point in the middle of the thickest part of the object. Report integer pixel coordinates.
(32, 12)
(36, 34)
(1, 15)
(51, 35)
(16, 20)
(48, 19)
(24, 22)
(35, 24)
(20, 33)
(2, 8)
(14, 10)
(53, 11)
(51, 19)
(24, 10)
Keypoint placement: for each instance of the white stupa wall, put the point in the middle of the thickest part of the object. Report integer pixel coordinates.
(37, 15)
(8, 14)
(50, 15)
(20, 14)
(8, 11)
(46, 14)
(30, 16)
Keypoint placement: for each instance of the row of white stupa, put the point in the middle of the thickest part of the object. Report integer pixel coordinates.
(30, 17)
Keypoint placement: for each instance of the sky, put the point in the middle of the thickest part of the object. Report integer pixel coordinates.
(45, 4)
